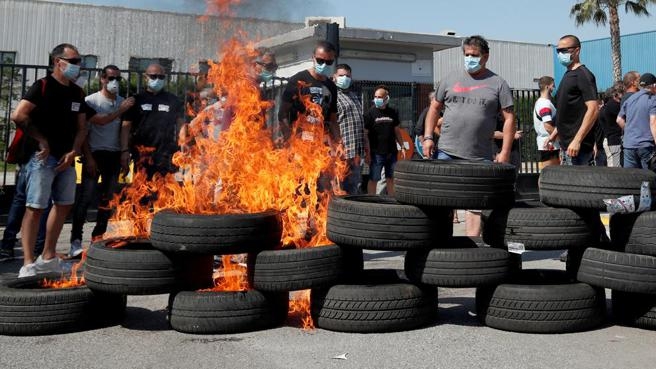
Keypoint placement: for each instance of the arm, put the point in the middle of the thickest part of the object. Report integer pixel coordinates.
(126, 125)
(589, 120)
(620, 121)
(399, 139)
(103, 119)
(652, 126)
(431, 122)
(509, 130)
(21, 116)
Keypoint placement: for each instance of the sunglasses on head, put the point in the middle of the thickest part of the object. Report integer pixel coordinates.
(112, 78)
(72, 60)
(156, 76)
(324, 61)
(267, 66)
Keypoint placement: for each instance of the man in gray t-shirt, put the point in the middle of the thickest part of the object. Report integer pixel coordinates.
(472, 100)
(102, 155)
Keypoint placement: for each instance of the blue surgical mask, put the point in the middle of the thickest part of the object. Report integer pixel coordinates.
(155, 85)
(343, 82)
(71, 71)
(266, 76)
(472, 64)
(379, 103)
(323, 69)
(565, 58)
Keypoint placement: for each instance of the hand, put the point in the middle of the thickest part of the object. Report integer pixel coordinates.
(503, 157)
(573, 148)
(90, 166)
(125, 163)
(44, 151)
(403, 152)
(427, 147)
(66, 161)
(367, 158)
(126, 104)
(519, 134)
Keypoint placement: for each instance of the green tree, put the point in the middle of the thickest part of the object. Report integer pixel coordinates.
(602, 11)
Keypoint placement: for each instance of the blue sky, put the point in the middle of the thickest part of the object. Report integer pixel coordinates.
(515, 20)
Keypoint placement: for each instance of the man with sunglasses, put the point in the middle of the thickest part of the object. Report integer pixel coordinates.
(316, 82)
(53, 113)
(153, 121)
(102, 155)
(576, 103)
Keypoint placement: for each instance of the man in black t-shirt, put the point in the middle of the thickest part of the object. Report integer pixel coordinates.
(381, 125)
(576, 103)
(317, 83)
(53, 113)
(153, 122)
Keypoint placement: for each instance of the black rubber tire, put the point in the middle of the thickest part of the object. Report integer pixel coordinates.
(542, 301)
(27, 309)
(542, 228)
(382, 223)
(459, 267)
(227, 312)
(296, 269)
(133, 269)
(618, 271)
(455, 184)
(587, 186)
(634, 309)
(642, 235)
(216, 234)
(380, 302)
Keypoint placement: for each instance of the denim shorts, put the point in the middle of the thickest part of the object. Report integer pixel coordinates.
(44, 183)
(378, 162)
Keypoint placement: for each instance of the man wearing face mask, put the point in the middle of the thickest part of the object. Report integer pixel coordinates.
(351, 127)
(381, 126)
(102, 155)
(316, 82)
(576, 101)
(53, 113)
(153, 121)
(472, 100)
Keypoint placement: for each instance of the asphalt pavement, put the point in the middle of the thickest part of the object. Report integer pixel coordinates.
(455, 340)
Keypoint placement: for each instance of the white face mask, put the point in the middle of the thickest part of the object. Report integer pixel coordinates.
(112, 87)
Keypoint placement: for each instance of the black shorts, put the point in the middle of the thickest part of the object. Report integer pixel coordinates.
(548, 155)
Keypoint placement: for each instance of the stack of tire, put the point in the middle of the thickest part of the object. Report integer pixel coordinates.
(419, 221)
(178, 260)
(549, 301)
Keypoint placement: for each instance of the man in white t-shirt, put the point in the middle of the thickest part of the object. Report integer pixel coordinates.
(101, 156)
(544, 122)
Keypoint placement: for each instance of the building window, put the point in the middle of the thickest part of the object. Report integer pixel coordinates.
(89, 61)
(7, 57)
(140, 64)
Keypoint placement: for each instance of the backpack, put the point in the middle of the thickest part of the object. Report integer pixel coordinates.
(19, 150)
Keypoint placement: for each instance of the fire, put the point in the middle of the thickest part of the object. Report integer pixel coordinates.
(73, 281)
(231, 277)
(243, 171)
(299, 308)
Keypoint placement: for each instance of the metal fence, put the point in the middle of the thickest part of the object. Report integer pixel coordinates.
(408, 98)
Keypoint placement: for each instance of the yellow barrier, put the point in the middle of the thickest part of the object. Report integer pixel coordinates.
(121, 178)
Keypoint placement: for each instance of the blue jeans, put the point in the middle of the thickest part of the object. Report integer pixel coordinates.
(16, 213)
(583, 158)
(378, 162)
(352, 181)
(638, 158)
(45, 185)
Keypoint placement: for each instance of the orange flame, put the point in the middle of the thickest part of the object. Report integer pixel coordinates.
(73, 281)
(231, 277)
(299, 308)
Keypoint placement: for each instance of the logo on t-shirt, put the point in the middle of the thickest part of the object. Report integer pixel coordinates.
(75, 106)
(458, 88)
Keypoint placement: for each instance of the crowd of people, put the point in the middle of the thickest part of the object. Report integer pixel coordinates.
(471, 117)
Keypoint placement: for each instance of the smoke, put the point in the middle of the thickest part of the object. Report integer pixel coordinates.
(280, 10)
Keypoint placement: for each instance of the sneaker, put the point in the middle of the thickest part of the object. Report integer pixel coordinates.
(76, 249)
(47, 266)
(28, 270)
(6, 254)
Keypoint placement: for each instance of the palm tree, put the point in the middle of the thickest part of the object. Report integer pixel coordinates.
(601, 11)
